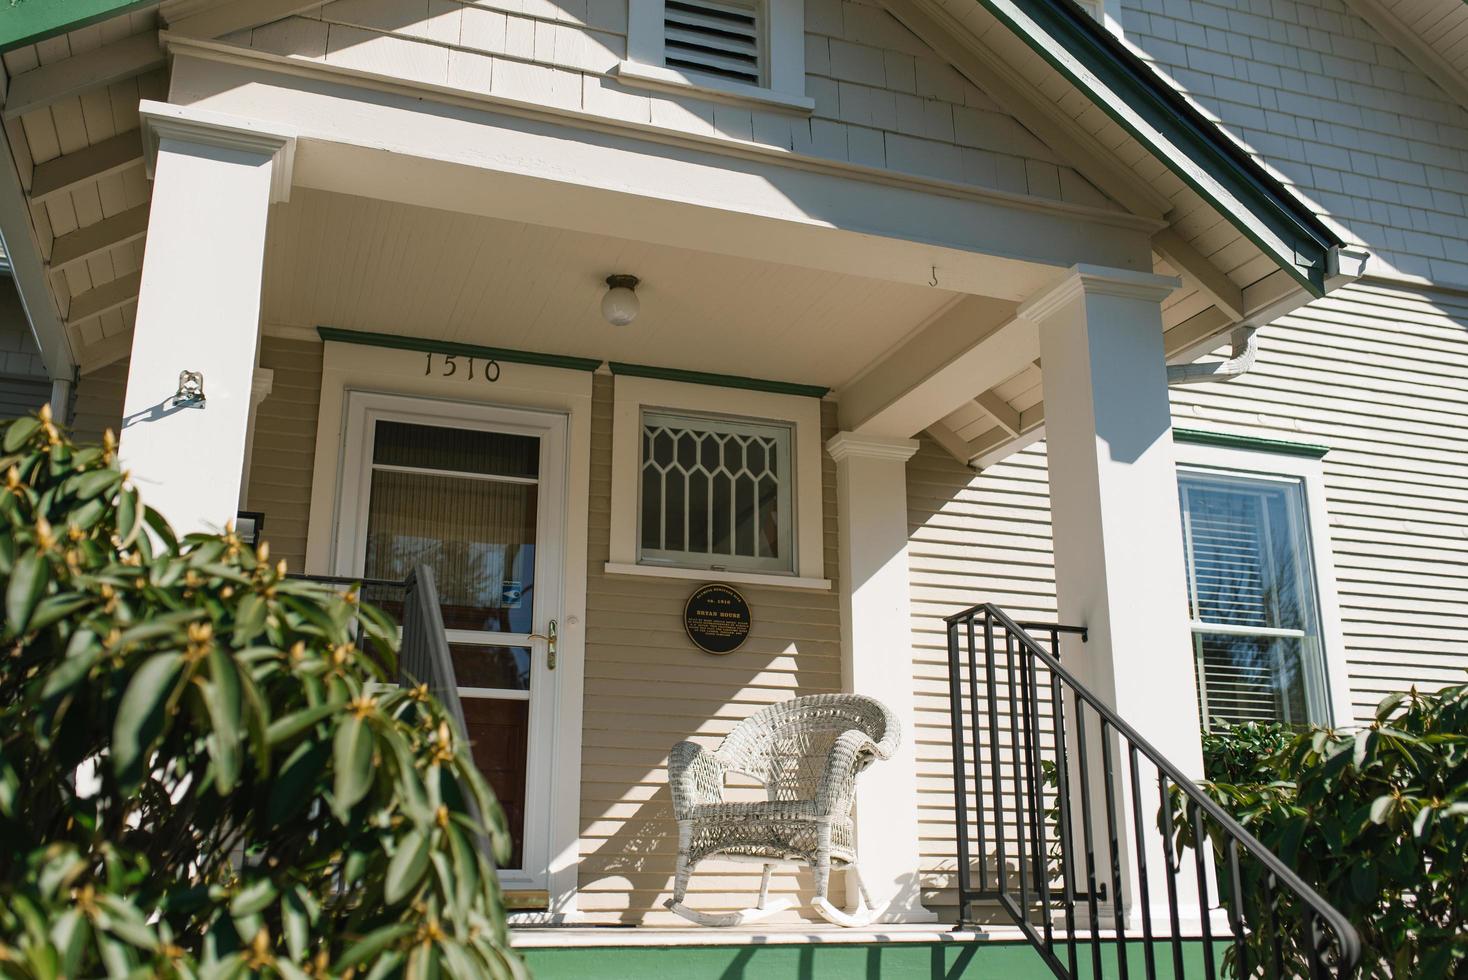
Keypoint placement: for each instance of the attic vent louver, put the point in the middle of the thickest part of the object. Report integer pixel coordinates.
(719, 38)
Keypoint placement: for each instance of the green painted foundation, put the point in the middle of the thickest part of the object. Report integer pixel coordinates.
(987, 959)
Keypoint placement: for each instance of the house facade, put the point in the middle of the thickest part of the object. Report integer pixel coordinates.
(1149, 317)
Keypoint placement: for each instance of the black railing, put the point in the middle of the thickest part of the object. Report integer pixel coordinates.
(1053, 824)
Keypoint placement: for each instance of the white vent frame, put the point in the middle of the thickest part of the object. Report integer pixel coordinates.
(782, 61)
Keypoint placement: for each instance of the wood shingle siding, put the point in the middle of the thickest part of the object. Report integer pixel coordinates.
(1374, 371)
(285, 446)
(883, 97)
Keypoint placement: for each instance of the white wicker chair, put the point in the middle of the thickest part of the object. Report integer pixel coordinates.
(806, 752)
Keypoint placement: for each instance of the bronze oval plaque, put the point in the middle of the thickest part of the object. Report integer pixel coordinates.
(716, 619)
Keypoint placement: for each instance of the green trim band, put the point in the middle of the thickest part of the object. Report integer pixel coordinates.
(393, 341)
(28, 21)
(1228, 440)
(1302, 244)
(717, 380)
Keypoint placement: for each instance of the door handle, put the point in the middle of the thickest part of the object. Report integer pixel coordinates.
(549, 636)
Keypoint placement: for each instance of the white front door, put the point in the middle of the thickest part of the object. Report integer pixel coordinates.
(476, 492)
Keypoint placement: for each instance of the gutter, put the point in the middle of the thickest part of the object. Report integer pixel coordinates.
(1245, 350)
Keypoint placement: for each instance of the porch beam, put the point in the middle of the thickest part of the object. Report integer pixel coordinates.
(41, 87)
(104, 298)
(967, 348)
(701, 193)
(93, 240)
(954, 444)
(71, 170)
(1001, 411)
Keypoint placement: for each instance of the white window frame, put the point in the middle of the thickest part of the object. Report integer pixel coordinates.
(634, 396)
(786, 562)
(782, 56)
(1309, 474)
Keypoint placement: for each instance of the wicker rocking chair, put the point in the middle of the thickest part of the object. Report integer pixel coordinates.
(806, 752)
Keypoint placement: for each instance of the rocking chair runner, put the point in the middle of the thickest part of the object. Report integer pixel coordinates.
(807, 753)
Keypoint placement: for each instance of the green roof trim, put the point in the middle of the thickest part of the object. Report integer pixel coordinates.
(1229, 440)
(393, 341)
(28, 21)
(718, 380)
(1191, 145)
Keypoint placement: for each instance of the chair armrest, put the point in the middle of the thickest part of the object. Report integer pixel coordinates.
(695, 776)
(850, 754)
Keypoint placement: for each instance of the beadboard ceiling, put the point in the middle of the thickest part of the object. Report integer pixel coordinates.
(362, 264)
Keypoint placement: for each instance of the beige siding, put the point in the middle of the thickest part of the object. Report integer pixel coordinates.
(883, 97)
(647, 687)
(285, 446)
(97, 405)
(1375, 372)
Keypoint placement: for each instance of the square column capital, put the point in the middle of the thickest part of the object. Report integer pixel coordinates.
(850, 445)
(1097, 280)
(201, 127)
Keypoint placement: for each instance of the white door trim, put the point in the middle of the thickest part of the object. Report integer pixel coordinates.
(347, 367)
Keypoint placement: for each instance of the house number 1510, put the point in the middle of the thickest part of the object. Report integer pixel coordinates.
(487, 369)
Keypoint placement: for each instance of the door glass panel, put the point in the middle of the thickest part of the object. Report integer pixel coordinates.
(503, 668)
(465, 502)
(499, 732)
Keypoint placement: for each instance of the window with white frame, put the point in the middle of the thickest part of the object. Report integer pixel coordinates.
(715, 493)
(1253, 598)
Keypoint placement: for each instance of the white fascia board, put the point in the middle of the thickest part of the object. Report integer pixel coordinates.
(593, 175)
(32, 283)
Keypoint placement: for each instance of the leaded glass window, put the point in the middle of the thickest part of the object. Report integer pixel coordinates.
(1252, 600)
(716, 493)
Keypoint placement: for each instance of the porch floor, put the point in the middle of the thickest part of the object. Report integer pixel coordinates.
(761, 934)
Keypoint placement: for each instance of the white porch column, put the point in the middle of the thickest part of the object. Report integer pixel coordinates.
(199, 310)
(876, 646)
(1115, 515)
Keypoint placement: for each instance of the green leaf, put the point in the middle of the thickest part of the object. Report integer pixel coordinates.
(284, 729)
(352, 756)
(1381, 808)
(123, 920)
(88, 485)
(291, 789)
(129, 517)
(253, 898)
(222, 698)
(407, 866)
(371, 944)
(140, 716)
(28, 580)
(249, 618)
(20, 430)
(295, 920)
(53, 609)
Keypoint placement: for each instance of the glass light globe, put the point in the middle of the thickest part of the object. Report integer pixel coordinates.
(620, 305)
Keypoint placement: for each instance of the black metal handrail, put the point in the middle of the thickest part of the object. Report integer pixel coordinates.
(1067, 747)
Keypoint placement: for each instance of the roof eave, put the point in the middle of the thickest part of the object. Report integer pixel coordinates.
(1182, 138)
(28, 21)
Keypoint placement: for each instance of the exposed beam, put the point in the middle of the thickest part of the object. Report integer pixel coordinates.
(1031, 430)
(110, 63)
(104, 298)
(1001, 411)
(30, 271)
(84, 243)
(1181, 254)
(1092, 159)
(108, 350)
(969, 347)
(70, 170)
(230, 15)
(956, 446)
(1196, 336)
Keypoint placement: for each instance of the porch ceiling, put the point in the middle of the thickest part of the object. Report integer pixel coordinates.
(344, 261)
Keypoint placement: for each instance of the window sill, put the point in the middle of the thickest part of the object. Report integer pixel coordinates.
(636, 74)
(709, 575)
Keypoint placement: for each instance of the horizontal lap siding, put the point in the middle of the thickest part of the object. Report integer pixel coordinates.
(97, 404)
(284, 453)
(1376, 373)
(647, 688)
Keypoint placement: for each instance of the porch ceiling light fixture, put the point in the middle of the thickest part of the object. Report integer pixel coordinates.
(620, 305)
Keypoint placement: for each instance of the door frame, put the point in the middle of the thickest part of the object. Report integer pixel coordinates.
(364, 409)
(349, 368)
